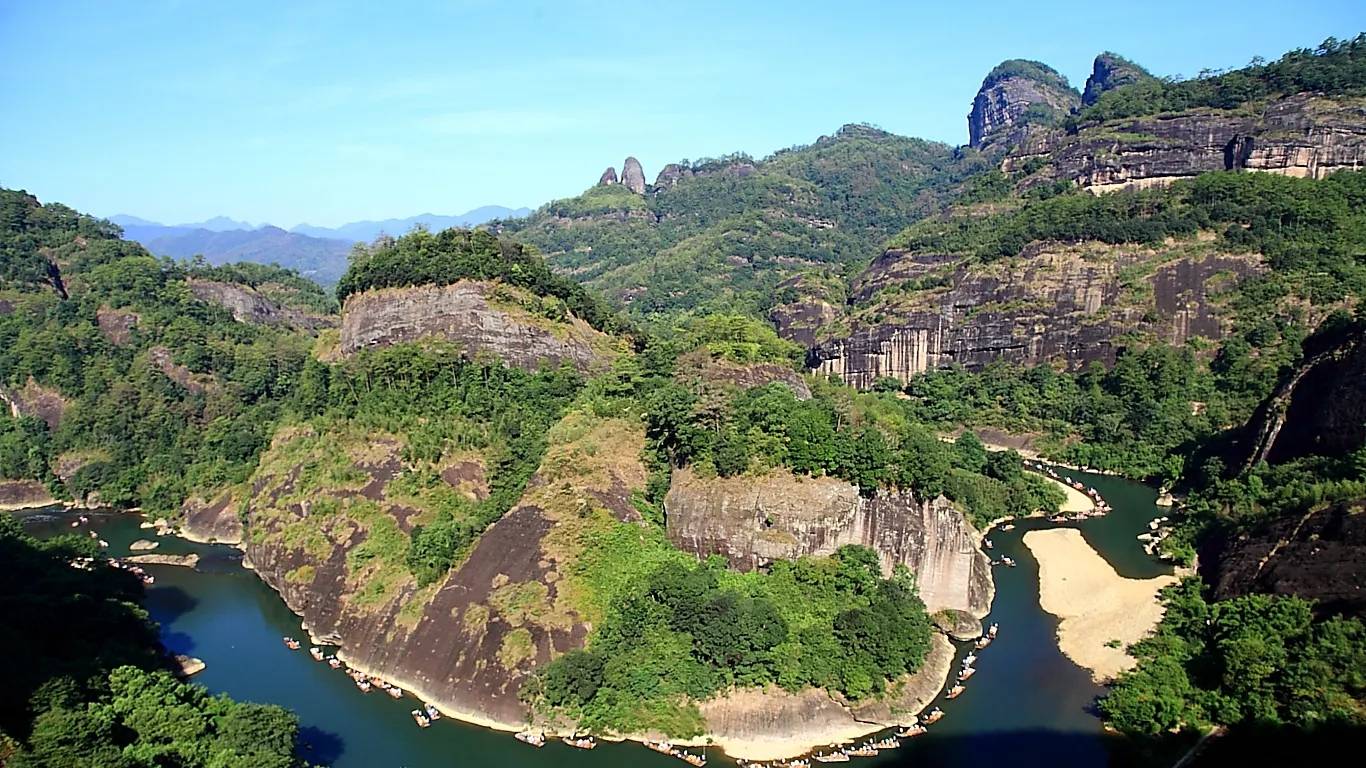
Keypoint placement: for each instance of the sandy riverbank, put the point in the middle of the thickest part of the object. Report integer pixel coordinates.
(1076, 500)
(1094, 603)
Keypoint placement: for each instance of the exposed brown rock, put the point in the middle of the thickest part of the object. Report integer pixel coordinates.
(1319, 555)
(160, 358)
(468, 315)
(608, 177)
(1053, 303)
(24, 494)
(1110, 71)
(1007, 104)
(752, 521)
(213, 521)
(670, 175)
(116, 325)
(249, 305)
(35, 400)
(1306, 136)
(633, 176)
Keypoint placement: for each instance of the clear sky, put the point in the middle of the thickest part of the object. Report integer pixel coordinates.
(333, 111)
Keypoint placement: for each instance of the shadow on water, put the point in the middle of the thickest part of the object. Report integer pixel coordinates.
(320, 747)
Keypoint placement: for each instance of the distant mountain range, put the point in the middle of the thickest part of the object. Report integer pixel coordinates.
(318, 253)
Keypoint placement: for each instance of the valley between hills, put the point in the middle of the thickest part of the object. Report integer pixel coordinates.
(744, 457)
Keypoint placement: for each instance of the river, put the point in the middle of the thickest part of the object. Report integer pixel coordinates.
(1028, 705)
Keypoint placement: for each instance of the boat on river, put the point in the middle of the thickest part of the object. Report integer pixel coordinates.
(862, 750)
(888, 743)
(663, 747)
(966, 673)
(690, 758)
(831, 757)
(334, 662)
(527, 737)
(910, 731)
(982, 642)
(969, 660)
(394, 691)
(580, 742)
(292, 644)
(991, 630)
(422, 720)
(432, 711)
(316, 653)
(955, 692)
(933, 716)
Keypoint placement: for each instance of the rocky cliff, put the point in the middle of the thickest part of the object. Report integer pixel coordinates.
(24, 494)
(753, 521)
(1318, 555)
(1014, 96)
(36, 401)
(633, 176)
(248, 305)
(1055, 302)
(479, 318)
(1305, 135)
(467, 641)
(1108, 72)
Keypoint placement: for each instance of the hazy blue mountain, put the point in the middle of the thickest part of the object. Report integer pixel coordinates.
(365, 231)
(219, 224)
(319, 259)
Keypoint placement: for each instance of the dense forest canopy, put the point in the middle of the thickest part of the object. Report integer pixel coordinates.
(1335, 68)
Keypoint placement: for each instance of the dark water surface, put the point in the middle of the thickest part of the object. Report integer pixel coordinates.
(1026, 706)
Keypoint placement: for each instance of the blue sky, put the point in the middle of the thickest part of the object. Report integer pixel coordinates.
(328, 112)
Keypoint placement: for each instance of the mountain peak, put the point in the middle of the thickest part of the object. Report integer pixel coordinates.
(1015, 94)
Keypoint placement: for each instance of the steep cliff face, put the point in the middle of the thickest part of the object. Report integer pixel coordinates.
(633, 176)
(1110, 71)
(24, 494)
(248, 305)
(1055, 302)
(1318, 410)
(1319, 555)
(479, 318)
(1015, 95)
(701, 371)
(468, 640)
(1305, 136)
(753, 521)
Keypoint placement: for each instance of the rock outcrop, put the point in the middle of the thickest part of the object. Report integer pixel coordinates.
(213, 521)
(670, 175)
(161, 359)
(1065, 303)
(467, 641)
(1304, 136)
(1015, 95)
(117, 325)
(608, 177)
(248, 305)
(24, 494)
(754, 521)
(633, 176)
(1319, 555)
(1320, 409)
(35, 400)
(478, 318)
(1110, 71)
(702, 371)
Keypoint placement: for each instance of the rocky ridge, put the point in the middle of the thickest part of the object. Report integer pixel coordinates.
(479, 318)
(754, 521)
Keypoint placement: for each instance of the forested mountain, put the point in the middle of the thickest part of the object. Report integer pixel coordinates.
(366, 231)
(542, 504)
(721, 233)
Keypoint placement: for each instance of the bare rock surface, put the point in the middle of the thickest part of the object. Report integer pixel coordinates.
(470, 316)
(752, 521)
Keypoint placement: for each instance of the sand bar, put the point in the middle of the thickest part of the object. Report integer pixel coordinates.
(1095, 604)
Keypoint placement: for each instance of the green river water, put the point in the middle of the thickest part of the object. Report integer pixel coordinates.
(1027, 705)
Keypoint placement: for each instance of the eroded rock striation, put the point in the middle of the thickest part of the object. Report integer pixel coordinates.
(479, 318)
(1305, 136)
(1014, 96)
(249, 305)
(633, 176)
(754, 521)
(1055, 302)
